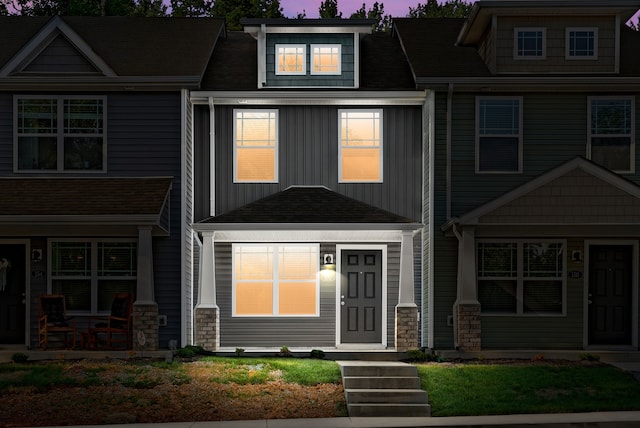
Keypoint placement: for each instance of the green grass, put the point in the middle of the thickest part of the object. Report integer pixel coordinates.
(471, 389)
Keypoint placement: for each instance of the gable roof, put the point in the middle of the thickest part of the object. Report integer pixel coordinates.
(234, 64)
(576, 192)
(123, 50)
(309, 205)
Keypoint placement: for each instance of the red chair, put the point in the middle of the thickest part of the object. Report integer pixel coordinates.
(116, 327)
(52, 319)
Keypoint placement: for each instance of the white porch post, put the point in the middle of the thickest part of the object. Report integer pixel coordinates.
(467, 323)
(145, 308)
(406, 310)
(207, 312)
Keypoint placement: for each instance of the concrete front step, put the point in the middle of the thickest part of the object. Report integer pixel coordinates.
(388, 410)
(381, 382)
(383, 389)
(390, 396)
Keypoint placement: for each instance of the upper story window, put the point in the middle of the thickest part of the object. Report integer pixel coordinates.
(530, 43)
(611, 133)
(91, 272)
(291, 59)
(498, 134)
(582, 43)
(276, 280)
(60, 133)
(521, 277)
(360, 148)
(326, 59)
(255, 146)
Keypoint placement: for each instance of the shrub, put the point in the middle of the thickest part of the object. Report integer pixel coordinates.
(317, 354)
(284, 351)
(19, 357)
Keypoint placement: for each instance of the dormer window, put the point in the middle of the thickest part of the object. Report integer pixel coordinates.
(291, 59)
(326, 59)
(582, 43)
(530, 43)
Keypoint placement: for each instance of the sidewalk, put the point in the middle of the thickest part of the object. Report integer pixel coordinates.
(560, 420)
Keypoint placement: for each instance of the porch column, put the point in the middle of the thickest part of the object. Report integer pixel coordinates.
(467, 326)
(207, 313)
(145, 308)
(406, 310)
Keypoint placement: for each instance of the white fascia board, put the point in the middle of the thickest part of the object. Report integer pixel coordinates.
(305, 227)
(567, 83)
(148, 220)
(308, 236)
(269, 29)
(93, 82)
(309, 98)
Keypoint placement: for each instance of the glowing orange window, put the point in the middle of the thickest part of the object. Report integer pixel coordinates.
(255, 135)
(360, 146)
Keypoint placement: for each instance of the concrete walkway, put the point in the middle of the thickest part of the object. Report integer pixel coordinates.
(572, 420)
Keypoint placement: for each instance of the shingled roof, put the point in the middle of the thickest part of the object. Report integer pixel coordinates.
(309, 205)
(52, 197)
(130, 46)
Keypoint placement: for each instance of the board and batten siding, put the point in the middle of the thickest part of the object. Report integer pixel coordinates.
(308, 155)
(6, 135)
(556, 45)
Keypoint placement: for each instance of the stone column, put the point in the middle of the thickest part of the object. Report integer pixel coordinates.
(145, 308)
(207, 313)
(466, 309)
(406, 313)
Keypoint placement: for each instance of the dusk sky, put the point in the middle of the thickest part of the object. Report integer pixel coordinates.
(391, 7)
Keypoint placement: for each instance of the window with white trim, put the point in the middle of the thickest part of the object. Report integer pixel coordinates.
(91, 272)
(255, 146)
(499, 134)
(274, 280)
(326, 59)
(530, 43)
(360, 146)
(291, 59)
(612, 132)
(60, 133)
(521, 277)
(582, 43)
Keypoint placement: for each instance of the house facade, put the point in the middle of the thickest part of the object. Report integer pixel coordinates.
(531, 240)
(307, 190)
(92, 123)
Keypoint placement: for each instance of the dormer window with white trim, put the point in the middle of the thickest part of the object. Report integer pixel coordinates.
(530, 43)
(582, 43)
(291, 59)
(326, 59)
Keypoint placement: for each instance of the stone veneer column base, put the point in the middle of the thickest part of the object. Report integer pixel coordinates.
(208, 328)
(469, 327)
(145, 320)
(406, 328)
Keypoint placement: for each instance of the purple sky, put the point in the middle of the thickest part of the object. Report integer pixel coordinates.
(391, 7)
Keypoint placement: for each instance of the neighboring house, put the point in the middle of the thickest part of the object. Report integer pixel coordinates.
(534, 177)
(92, 125)
(306, 148)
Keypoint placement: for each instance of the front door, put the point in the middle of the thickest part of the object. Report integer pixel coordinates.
(361, 296)
(610, 302)
(12, 294)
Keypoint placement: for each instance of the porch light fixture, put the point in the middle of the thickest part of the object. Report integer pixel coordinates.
(327, 259)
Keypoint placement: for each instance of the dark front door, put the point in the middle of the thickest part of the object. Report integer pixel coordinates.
(361, 296)
(12, 293)
(610, 281)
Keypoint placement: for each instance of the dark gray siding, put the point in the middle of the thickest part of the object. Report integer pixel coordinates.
(308, 155)
(201, 160)
(346, 78)
(143, 139)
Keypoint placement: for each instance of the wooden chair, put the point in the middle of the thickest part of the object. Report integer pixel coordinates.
(52, 319)
(117, 324)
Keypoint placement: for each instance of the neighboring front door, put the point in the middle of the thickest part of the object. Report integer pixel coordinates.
(610, 302)
(12, 294)
(361, 296)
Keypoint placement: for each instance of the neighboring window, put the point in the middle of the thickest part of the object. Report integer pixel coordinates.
(521, 278)
(276, 280)
(611, 133)
(291, 59)
(326, 59)
(360, 148)
(90, 272)
(499, 133)
(530, 43)
(582, 43)
(60, 133)
(255, 146)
